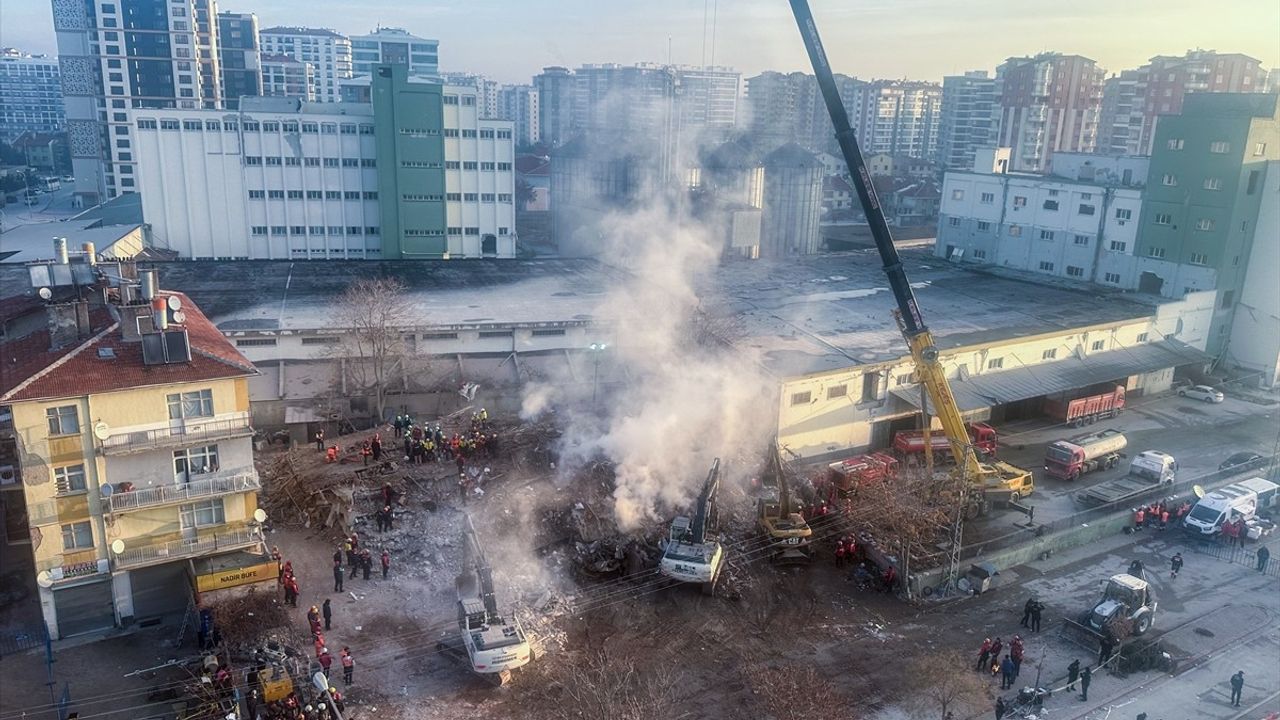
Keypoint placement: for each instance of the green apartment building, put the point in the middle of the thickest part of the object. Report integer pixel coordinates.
(1203, 192)
(409, 135)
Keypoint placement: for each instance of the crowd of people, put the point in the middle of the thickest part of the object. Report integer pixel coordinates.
(1159, 514)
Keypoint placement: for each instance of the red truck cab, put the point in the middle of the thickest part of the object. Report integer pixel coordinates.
(909, 443)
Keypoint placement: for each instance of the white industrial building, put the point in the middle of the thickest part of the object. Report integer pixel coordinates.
(328, 52)
(1079, 222)
(285, 179)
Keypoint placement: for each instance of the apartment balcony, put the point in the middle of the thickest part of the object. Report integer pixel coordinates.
(225, 482)
(177, 434)
(223, 539)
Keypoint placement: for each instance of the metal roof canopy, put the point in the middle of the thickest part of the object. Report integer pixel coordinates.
(991, 389)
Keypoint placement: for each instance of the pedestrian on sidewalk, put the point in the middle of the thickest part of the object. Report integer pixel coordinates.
(1073, 672)
(1000, 708)
(337, 575)
(348, 665)
(1007, 673)
(1086, 677)
(327, 611)
(1237, 686)
(1027, 609)
(1175, 564)
(386, 563)
(366, 562)
(1264, 556)
(1016, 651)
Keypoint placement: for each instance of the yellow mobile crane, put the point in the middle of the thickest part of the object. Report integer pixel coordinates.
(980, 483)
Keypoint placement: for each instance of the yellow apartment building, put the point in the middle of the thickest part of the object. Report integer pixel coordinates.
(126, 448)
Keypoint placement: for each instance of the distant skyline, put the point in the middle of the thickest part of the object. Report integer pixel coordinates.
(512, 40)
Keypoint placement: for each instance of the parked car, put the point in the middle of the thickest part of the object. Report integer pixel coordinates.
(1240, 460)
(68, 178)
(1201, 392)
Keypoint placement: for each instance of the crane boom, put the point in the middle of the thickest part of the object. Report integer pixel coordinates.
(474, 560)
(923, 351)
(698, 529)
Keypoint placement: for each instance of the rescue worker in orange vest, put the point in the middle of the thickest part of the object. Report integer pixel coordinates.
(840, 552)
(331, 455)
(1139, 518)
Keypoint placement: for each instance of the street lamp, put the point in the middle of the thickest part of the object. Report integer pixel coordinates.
(596, 350)
(322, 684)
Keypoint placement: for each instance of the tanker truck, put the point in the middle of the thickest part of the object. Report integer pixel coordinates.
(1069, 459)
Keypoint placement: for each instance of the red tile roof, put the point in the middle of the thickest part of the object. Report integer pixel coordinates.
(30, 371)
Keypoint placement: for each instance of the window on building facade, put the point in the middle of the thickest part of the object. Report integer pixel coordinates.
(257, 194)
(63, 420)
(988, 198)
(1098, 345)
(1081, 240)
(1155, 252)
(1205, 224)
(331, 162)
(953, 221)
(279, 230)
(1019, 201)
(1046, 266)
(1073, 271)
(69, 479)
(1049, 354)
(1199, 259)
(1050, 204)
(294, 194)
(315, 195)
(332, 194)
(258, 230)
(190, 462)
(1163, 219)
(273, 161)
(315, 229)
(275, 194)
(1123, 214)
(995, 363)
(1047, 234)
(984, 226)
(146, 124)
(193, 404)
(1175, 144)
(957, 194)
(1220, 147)
(350, 162)
(504, 134)
(1169, 180)
(1213, 183)
(292, 161)
(1259, 149)
(77, 536)
(1112, 278)
(1085, 209)
(1015, 231)
(1119, 245)
(202, 514)
(1142, 337)
(980, 254)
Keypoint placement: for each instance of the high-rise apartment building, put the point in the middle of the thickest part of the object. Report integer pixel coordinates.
(669, 100)
(1048, 103)
(30, 94)
(240, 57)
(969, 118)
(1204, 191)
(898, 118)
(519, 104)
(556, 101)
(780, 109)
(284, 76)
(395, 46)
(127, 443)
(328, 53)
(413, 174)
(486, 91)
(118, 55)
(1134, 102)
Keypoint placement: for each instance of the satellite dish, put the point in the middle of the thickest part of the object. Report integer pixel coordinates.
(1198, 490)
(43, 579)
(175, 302)
(260, 515)
(117, 546)
(44, 293)
(101, 430)
(179, 317)
(106, 490)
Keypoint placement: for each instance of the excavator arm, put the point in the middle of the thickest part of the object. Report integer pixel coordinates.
(919, 339)
(706, 502)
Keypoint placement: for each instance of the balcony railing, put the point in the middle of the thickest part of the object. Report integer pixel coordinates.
(224, 540)
(185, 433)
(221, 483)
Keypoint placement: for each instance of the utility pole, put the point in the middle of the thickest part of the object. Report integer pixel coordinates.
(596, 349)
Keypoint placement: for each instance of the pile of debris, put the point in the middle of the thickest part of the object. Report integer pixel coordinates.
(292, 496)
(244, 619)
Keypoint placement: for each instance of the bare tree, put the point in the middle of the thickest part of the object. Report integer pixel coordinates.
(797, 693)
(371, 349)
(600, 685)
(944, 683)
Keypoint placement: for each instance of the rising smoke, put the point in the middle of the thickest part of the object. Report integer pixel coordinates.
(682, 399)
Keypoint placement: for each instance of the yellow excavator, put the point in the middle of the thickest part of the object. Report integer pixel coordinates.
(980, 483)
(778, 515)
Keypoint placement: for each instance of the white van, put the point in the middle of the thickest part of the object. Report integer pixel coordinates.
(1238, 500)
(1155, 466)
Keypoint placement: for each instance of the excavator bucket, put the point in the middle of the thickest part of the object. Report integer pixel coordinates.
(1081, 634)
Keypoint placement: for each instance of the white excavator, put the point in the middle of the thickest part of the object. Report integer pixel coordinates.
(692, 553)
(492, 644)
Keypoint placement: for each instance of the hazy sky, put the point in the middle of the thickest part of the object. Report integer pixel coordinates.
(510, 40)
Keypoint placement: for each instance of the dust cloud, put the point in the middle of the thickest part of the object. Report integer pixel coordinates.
(677, 396)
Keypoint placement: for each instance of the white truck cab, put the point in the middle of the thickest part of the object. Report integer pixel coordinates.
(1153, 465)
